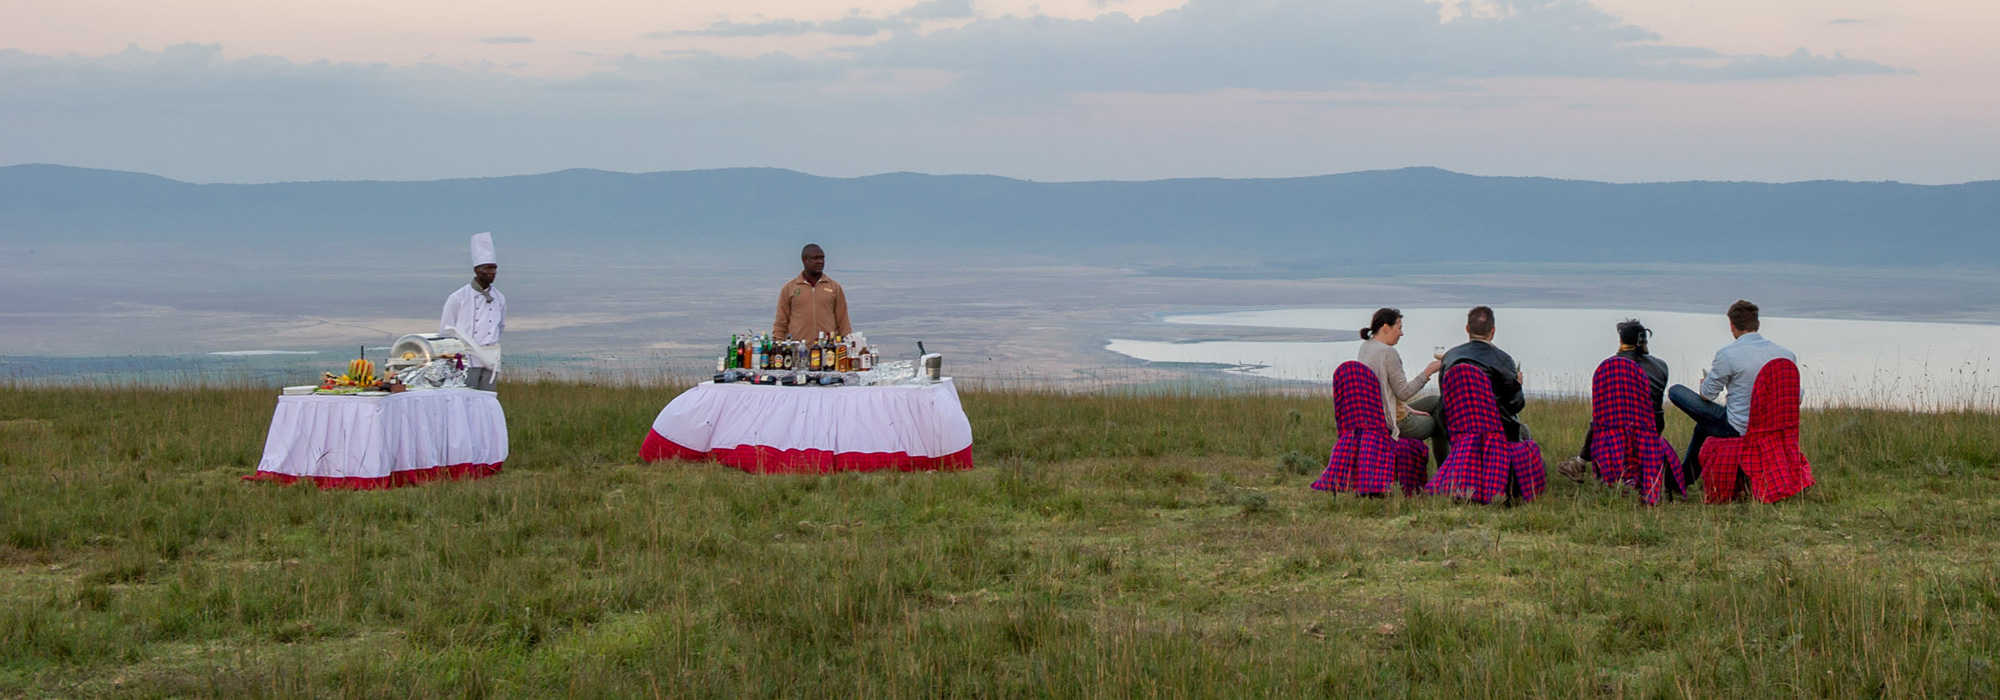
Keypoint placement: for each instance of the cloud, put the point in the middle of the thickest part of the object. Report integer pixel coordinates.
(1801, 64)
(939, 9)
(1209, 45)
(505, 40)
(1204, 46)
(189, 111)
(855, 25)
(852, 25)
(712, 72)
(990, 88)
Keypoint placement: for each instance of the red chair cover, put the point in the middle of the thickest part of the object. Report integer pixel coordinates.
(1768, 453)
(1481, 461)
(1366, 457)
(1624, 439)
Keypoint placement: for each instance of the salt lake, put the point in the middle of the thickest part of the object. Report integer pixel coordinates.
(1922, 365)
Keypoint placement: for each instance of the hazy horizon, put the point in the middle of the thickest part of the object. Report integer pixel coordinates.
(863, 176)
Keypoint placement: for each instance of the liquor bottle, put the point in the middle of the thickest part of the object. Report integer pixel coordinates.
(839, 354)
(815, 365)
(730, 354)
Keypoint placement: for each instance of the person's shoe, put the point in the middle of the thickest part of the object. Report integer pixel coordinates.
(1577, 469)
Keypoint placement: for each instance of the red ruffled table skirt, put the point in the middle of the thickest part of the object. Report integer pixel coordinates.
(815, 430)
(380, 442)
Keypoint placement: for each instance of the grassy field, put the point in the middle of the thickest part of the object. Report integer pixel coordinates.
(1116, 546)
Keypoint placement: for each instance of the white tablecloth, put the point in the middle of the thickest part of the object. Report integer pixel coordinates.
(385, 441)
(767, 428)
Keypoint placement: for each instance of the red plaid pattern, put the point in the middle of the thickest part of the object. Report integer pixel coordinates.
(1623, 437)
(1481, 463)
(1768, 453)
(1366, 456)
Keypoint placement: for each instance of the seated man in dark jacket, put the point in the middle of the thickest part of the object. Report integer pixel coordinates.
(1500, 368)
(1632, 337)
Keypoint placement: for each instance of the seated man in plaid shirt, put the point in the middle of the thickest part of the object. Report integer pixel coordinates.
(1735, 370)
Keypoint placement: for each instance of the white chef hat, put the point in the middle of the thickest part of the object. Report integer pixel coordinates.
(482, 250)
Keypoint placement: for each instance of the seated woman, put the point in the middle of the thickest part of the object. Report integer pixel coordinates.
(1378, 351)
(1632, 345)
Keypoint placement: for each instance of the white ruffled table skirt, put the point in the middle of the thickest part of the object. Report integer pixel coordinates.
(376, 442)
(779, 429)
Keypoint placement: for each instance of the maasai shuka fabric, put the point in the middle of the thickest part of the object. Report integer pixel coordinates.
(1481, 461)
(1624, 439)
(1768, 453)
(1366, 457)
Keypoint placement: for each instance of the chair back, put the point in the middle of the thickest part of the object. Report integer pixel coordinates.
(1620, 397)
(1357, 398)
(1774, 397)
(1469, 406)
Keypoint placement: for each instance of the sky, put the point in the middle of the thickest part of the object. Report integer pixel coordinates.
(1053, 90)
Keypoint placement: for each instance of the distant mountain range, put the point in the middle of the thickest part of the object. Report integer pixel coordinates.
(1346, 222)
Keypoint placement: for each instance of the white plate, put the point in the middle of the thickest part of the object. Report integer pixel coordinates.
(371, 393)
(300, 390)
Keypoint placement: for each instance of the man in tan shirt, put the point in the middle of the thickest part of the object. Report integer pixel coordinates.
(811, 303)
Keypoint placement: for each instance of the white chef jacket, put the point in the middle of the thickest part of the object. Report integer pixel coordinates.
(477, 319)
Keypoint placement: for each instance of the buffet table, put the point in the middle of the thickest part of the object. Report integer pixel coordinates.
(765, 429)
(377, 442)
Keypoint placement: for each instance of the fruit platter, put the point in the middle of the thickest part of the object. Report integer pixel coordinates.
(360, 377)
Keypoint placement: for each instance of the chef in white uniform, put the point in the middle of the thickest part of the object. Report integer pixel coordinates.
(477, 313)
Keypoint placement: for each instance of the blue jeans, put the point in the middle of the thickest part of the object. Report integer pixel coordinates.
(1710, 420)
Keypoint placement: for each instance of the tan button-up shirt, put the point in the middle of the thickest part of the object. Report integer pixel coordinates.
(805, 310)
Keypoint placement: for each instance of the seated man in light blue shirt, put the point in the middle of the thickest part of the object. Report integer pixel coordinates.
(1735, 369)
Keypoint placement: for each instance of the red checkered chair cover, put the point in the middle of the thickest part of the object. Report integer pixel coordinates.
(1624, 439)
(1768, 453)
(1481, 462)
(1366, 457)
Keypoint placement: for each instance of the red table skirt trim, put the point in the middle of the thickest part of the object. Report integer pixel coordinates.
(410, 477)
(757, 459)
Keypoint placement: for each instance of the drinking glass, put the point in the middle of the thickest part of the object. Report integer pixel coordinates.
(1437, 352)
